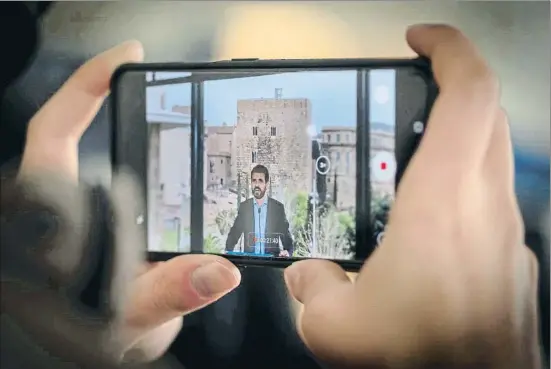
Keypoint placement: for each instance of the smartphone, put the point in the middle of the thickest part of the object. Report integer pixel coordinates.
(269, 161)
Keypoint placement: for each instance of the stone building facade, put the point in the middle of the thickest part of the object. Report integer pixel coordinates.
(339, 145)
(219, 170)
(383, 139)
(219, 148)
(274, 133)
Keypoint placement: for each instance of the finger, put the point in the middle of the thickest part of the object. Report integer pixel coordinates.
(69, 112)
(309, 278)
(499, 163)
(49, 220)
(461, 120)
(177, 287)
(146, 267)
(529, 277)
(533, 266)
(154, 343)
(54, 132)
(128, 247)
(124, 248)
(73, 337)
(499, 173)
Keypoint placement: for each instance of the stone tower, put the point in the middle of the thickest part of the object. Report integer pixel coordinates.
(274, 132)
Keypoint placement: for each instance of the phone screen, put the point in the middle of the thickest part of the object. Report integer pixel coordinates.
(292, 164)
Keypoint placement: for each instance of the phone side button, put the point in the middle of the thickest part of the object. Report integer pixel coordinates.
(245, 59)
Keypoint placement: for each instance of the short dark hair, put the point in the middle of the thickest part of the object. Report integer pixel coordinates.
(261, 169)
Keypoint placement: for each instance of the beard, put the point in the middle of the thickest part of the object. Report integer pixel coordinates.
(258, 193)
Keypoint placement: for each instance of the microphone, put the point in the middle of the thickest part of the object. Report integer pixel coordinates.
(259, 231)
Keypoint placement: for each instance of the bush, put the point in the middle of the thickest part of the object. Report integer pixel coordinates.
(333, 236)
(380, 209)
(224, 220)
(298, 207)
(212, 244)
(348, 222)
(336, 236)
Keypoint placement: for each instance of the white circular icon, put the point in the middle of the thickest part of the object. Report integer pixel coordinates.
(418, 127)
(383, 166)
(382, 95)
(323, 165)
(140, 219)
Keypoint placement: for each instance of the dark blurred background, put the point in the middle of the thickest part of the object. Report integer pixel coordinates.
(254, 326)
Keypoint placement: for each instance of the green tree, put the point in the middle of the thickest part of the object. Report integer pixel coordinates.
(348, 224)
(296, 208)
(346, 220)
(332, 238)
(212, 244)
(380, 209)
(224, 220)
(300, 211)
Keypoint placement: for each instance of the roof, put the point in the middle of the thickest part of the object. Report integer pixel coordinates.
(338, 129)
(387, 128)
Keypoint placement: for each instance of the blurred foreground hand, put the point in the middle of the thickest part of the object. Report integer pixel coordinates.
(452, 285)
(141, 305)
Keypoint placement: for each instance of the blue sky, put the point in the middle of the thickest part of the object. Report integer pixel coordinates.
(332, 95)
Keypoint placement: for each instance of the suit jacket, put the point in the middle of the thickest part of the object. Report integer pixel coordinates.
(276, 225)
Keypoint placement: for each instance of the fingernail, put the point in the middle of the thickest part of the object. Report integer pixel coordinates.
(214, 278)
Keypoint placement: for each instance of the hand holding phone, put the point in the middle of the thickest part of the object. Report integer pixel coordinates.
(270, 161)
(51, 269)
(453, 284)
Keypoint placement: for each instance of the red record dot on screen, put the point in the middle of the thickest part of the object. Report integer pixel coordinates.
(383, 166)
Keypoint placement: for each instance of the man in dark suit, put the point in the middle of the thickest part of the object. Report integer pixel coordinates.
(261, 220)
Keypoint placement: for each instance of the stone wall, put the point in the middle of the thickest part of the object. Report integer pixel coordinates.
(219, 138)
(218, 147)
(339, 145)
(219, 170)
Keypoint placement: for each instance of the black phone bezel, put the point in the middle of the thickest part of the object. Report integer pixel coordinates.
(124, 155)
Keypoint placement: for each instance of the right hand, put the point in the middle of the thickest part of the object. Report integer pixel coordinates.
(452, 284)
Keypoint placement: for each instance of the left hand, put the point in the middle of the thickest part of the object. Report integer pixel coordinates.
(162, 293)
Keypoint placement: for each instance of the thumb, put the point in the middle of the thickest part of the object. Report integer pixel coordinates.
(178, 287)
(309, 278)
(54, 132)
